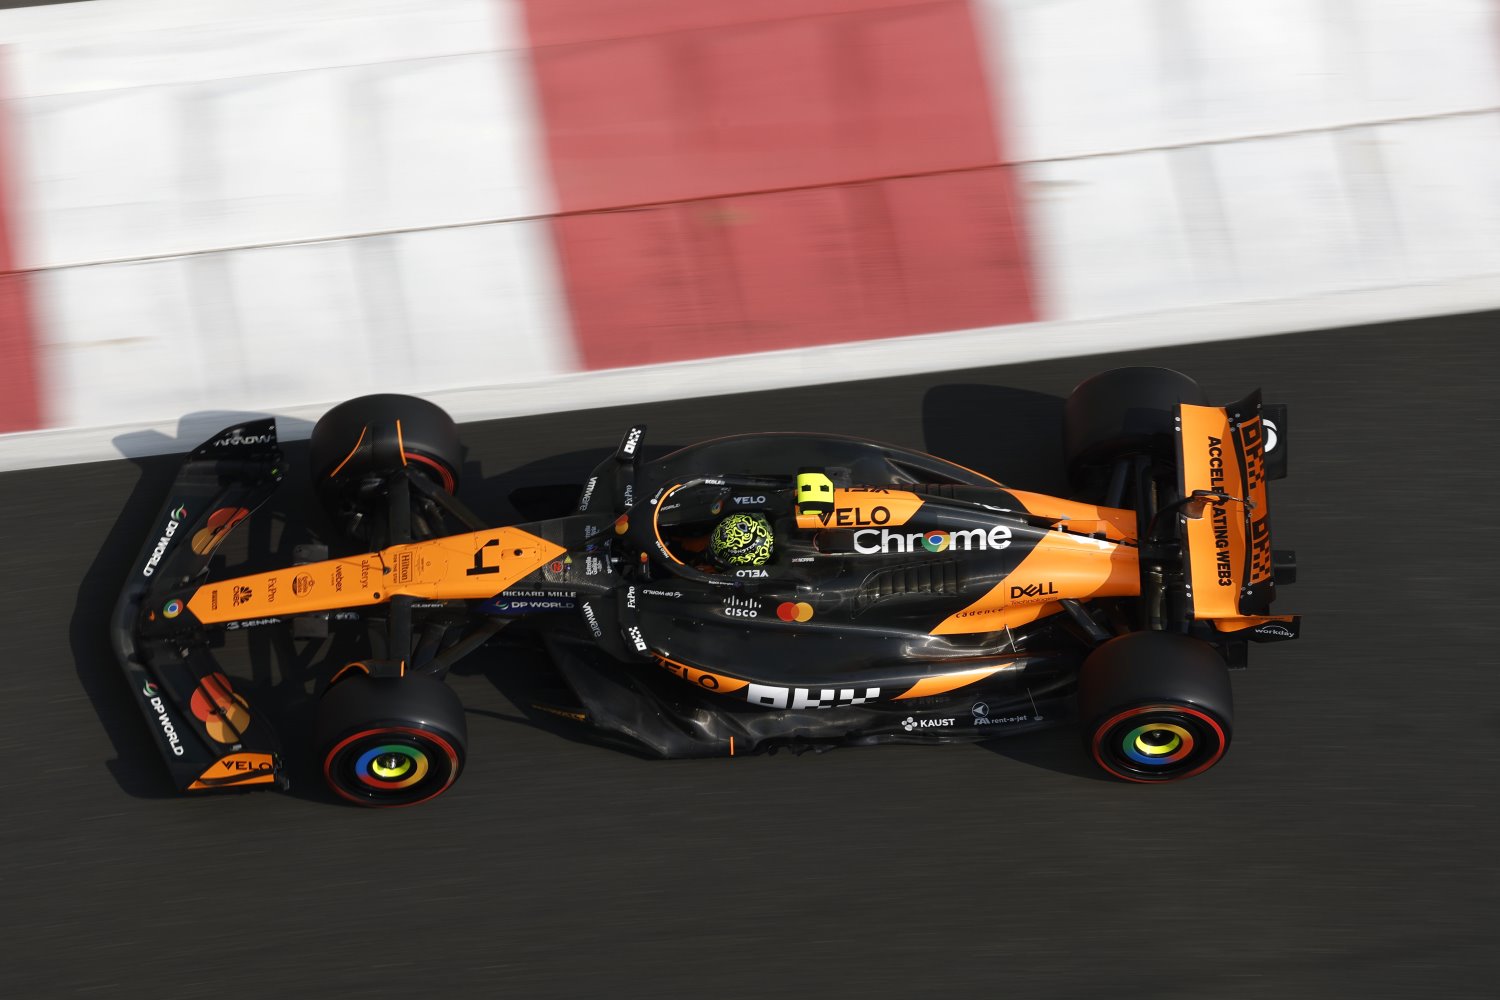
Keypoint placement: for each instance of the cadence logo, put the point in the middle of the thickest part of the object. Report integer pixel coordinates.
(870, 542)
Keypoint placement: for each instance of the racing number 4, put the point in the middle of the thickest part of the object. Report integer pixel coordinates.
(479, 568)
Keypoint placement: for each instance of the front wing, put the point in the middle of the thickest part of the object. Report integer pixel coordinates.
(207, 732)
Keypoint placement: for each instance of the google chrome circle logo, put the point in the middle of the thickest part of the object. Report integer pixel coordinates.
(935, 541)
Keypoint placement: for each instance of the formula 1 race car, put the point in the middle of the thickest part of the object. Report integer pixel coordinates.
(735, 596)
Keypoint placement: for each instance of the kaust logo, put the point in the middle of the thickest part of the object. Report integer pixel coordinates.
(870, 542)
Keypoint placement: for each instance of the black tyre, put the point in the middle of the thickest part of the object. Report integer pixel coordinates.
(390, 741)
(1155, 706)
(1123, 412)
(372, 436)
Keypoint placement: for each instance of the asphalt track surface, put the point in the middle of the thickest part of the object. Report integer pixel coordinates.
(1345, 847)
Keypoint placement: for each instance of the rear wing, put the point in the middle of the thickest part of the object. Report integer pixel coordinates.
(1230, 565)
(207, 733)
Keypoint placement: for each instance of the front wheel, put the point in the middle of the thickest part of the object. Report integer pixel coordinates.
(390, 741)
(1155, 706)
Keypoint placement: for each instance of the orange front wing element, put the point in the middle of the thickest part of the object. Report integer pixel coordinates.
(476, 565)
(235, 770)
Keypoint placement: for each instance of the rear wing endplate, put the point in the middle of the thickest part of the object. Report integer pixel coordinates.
(1222, 451)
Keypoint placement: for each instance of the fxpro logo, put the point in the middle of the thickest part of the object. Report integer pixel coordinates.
(164, 541)
(869, 542)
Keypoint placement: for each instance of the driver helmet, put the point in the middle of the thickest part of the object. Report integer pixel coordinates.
(741, 540)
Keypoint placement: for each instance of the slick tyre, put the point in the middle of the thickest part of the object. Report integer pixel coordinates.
(1123, 412)
(375, 435)
(390, 741)
(1155, 706)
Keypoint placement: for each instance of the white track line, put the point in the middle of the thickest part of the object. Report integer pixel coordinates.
(821, 365)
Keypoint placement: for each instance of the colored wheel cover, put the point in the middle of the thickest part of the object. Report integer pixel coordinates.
(1213, 741)
(396, 761)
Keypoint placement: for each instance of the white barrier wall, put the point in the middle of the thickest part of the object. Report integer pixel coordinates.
(227, 206)
(1183, 152)
(252, 205)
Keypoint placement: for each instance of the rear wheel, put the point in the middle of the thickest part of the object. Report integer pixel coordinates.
(1155, 706)
(1123, 412)
(390, 741)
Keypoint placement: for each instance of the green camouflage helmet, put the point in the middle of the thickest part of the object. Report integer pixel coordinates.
(741, 540)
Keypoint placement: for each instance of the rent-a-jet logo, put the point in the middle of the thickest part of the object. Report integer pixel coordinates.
(870, 542)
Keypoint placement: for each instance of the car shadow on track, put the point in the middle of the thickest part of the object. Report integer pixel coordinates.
(1012, 435)
(1057, 750)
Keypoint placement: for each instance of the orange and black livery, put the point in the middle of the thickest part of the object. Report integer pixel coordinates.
(733, 596)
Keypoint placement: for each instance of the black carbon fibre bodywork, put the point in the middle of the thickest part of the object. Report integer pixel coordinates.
(914, 600)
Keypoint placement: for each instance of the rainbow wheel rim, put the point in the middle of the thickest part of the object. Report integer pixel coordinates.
(1159, 743)
(394, 766)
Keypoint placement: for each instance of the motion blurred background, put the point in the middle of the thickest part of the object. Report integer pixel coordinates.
(218, 205)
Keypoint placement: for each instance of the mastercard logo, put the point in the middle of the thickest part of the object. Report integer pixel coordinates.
(935, 541)
(800, 611)
(208, 537)
(224, 714)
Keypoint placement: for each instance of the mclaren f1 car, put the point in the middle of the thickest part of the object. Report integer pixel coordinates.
(735, 596)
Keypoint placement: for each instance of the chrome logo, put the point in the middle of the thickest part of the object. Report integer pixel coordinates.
(172, 609)
(1158, 743)
(935, 541)
(391, 766)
